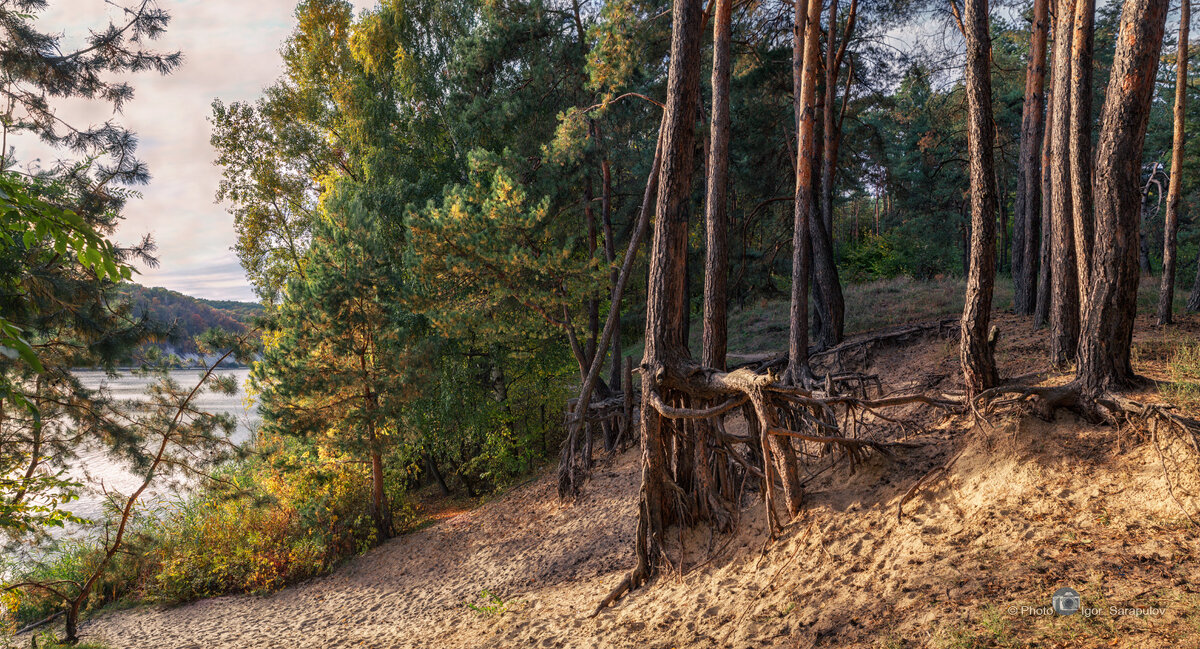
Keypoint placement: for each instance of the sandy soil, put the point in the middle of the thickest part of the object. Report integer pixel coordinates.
(1027, 506)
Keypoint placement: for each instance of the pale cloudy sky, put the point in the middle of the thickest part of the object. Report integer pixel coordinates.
(231, 51)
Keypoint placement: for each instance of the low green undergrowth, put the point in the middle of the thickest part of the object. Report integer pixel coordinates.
(1183, 372)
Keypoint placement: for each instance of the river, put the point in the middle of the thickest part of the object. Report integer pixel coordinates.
(97, 470)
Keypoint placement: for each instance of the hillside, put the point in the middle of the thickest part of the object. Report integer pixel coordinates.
(188, 316)
(1025, 506)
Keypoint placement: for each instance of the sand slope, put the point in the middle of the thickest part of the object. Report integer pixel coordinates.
(1027, 507)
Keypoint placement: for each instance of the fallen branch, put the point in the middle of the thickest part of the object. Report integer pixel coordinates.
(40, 623)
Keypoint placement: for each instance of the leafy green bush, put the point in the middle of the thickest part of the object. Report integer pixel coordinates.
(268, 524)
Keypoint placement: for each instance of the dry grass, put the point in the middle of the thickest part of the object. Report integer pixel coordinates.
(763, 327)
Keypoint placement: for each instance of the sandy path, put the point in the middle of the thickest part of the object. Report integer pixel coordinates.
(410, 592)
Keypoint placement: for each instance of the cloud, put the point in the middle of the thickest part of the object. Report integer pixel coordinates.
(231, 51)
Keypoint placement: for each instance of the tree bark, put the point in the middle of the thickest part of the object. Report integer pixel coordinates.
(1064, 286)
(383, 511)
(1042, 304)
(666, 297)
(1041, 313)
(1029, 185)
(1107, 338)
(830, 303)
(835, 54)
(610, 254)
(437, 474)
(716, 253)
(803, 95)
(1166, 291)
(1081, 141)
(979, 365)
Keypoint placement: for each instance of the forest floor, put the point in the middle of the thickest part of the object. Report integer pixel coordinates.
(1028, 506)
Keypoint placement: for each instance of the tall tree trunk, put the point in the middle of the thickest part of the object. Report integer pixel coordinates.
(1029, 184)
(803, 95)
(828, 163)
(437, 474)
(1107, 338)
(1002, 218)
(831, 302)
(610, 254)
(383, 511)
(1081, 141)
(831, 134)
(666, 297)
(716, 253)
(1042, 306)
(1166, 291)
(1064, 286)
(979, 365)
(593, 302)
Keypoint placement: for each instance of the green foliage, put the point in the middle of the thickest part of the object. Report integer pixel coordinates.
(491, 604)
(268, 523)
(1183, 371)
(493, 258)
(34, 232)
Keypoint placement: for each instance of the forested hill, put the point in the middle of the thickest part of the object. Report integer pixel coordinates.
(189, 316)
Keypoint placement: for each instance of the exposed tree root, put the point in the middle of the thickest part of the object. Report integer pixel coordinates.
(785, 423)
(1108, 407)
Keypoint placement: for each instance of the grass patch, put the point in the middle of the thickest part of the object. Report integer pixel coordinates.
(1183, 372)
(763, 327)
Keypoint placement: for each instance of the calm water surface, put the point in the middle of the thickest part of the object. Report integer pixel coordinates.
(98, 471)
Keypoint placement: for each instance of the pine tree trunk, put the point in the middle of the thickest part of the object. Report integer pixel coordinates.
(593, 302)
(1002, 216)
(610, 254)
(803, 95)
(1107, 338)
(666, 298)
(831, 309)
(1045, 268)
(1081, 141)
(1029, 184)
(1166, 291)
(383, 511)
(1064, 286)
(979, 366)
(716, 253)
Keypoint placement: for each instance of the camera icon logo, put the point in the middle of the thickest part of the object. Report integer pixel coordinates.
(1065, 601)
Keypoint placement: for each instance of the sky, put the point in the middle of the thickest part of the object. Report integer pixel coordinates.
(231, 51)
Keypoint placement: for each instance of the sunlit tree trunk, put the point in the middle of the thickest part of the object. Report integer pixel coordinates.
(1081, 141)
(1064, 286)
(979, 366)
(716, 253)
(1045, 267)
(1029, 182)
(798, 369)
(1166, 291)
(1107, 337)
(666, 297)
